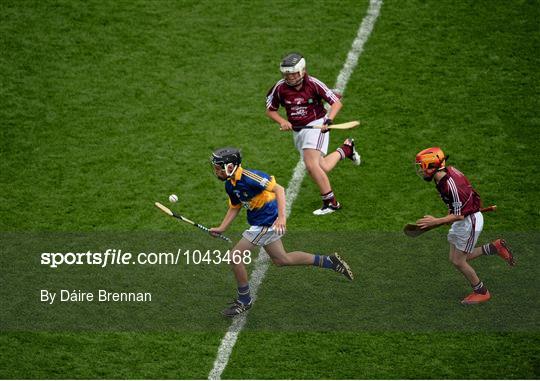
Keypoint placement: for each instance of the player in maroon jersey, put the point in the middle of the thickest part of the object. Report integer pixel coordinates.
(303, 98)
(464, 214)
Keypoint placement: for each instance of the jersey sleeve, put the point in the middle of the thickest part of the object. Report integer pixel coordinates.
(259, 180)
(455, 205)
(327, 94)
(272, 98)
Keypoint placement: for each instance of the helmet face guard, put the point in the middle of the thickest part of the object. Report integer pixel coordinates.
(226, 159)
(293, 63)
(430, 161)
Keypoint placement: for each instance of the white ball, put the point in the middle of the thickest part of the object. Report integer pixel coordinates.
(173, 198)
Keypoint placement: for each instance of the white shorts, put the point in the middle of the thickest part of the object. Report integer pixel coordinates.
(464, 234)
(261, 235)
(312, 138)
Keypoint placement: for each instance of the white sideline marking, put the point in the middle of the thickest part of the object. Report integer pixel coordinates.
(262, 263)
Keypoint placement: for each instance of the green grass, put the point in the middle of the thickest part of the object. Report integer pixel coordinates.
(108, 355)
(384, 356)
(107, 107)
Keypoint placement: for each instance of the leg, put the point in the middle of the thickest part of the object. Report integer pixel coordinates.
(346, 150)
(312, 144)
(480, 293)
(239, 270)
(499, 247)
(280, 257)
(477, 252)
(243, 302)
(329, 161)
(312, 160)
(459, 260)
(462, 238)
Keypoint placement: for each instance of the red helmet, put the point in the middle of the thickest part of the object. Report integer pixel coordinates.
(429, 161)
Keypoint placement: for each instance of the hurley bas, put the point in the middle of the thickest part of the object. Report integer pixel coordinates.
(47, 296)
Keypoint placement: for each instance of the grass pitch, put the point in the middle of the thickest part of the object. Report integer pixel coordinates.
(107, 107)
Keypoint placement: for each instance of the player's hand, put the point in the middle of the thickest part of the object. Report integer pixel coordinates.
(214, 232)
(285, 126)
(327, 122)
(280, 225)
(427, 222)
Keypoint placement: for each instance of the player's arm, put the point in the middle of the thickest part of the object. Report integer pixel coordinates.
(227, 220)
(332, 113)
(280, 225)
(334, 109)
(432, 222)
(454, 213)
(284, 124)
(333, 100)
(272, 105)
(231, 214)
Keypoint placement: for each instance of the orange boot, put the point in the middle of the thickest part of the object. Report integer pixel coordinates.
(504, 251)
(476, 298)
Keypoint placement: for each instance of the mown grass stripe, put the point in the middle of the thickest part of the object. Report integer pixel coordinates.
(262, 264)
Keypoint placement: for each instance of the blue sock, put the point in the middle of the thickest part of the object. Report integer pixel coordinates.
(243, 294)
(322, 261)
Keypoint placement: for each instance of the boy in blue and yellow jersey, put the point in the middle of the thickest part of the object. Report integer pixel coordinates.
(264, 200)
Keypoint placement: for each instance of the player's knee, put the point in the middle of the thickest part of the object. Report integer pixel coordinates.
(457, 262)
(311, 167)
(325, 168)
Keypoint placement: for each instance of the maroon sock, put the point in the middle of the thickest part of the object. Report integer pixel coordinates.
(480, 288)
(489, 249)
(329, 198)
(345, 151)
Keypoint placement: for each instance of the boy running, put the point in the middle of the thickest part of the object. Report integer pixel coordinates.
(464, 214)
(303, 98)
(264, 200)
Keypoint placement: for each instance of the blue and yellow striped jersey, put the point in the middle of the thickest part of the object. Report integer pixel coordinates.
(253, 190)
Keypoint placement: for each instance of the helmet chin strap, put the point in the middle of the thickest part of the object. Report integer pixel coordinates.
(298, 82)
(429, 178)
(227, 170)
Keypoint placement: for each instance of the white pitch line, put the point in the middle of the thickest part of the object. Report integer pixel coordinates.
(256, 278)
(262, 263)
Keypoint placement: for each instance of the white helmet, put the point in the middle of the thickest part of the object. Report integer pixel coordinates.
(293, 63)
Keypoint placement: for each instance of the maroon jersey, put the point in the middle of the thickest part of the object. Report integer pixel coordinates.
(458, 193)
(303, 106)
